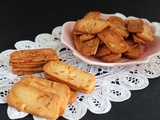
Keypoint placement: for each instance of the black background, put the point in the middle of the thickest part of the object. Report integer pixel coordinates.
(24, 20)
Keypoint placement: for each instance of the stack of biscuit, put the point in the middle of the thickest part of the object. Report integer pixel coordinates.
(40, 97)
(110, 38)
(31, 61)
(141, 32)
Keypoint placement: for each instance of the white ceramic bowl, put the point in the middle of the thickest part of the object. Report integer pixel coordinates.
(147, 51)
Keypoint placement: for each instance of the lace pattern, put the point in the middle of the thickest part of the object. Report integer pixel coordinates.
(114, 84)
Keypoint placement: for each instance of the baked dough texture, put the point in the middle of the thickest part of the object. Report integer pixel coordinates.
(34, 101)
(50, 86)
(75, 78)
(31, 61)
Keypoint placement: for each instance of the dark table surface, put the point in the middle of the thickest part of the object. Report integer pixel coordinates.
(22, 20)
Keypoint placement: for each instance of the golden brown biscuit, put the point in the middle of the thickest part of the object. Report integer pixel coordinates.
(73, 96)
(24, 72)
(134, 49)
(102, 51)
(101, 42)
(31, 61)
(28, 64)
(34, 101)
(33, 55)
(85, 37)
(88, 47)
(93, 15)
(73, 93)
(131, 43)
(119, 25)
(139, 40)
(135, 26)
(91, 26)
(73, 77)
(111, 57)
(117, 20)
(36, 69)
(50, 86)
(134, 52)
(146, 34)
(77, 32)
(78, 43)
(114, 41)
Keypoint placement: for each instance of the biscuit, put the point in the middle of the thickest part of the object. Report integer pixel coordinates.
(114, 41)
(73, 96)
(134, 49)
(101, 42)
(134, 52)
(135, 26)
(28, 64)
(36, 69)
(33, 55)
(102, 51)
(146, 34)
(111, 57)
(139, 40)
(91, 26)
(119, 25)
(77, 32)
(77, 41)
(73, 93)
(31, 61)
(85, 37)
(25, 70)
(34, 101)
(89, 47)
(93, 15)
(75, 78)
(49, 86)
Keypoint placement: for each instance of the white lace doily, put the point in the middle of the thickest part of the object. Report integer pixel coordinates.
(113, 83)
